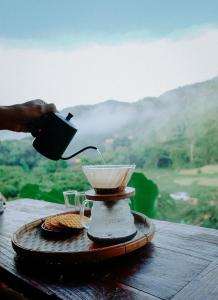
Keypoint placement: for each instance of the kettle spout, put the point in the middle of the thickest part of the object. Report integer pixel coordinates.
(78, 152)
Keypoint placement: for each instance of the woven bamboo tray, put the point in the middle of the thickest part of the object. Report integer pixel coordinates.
(31, 242)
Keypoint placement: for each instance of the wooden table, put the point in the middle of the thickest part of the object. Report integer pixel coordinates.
(180, 263)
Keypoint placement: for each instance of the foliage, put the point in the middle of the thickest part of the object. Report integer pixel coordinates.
(34, 191)
(146, 193)
(15, 153)
(197, 211)
(203, 212)
(166, 208)
(191, 142)
(12, 179)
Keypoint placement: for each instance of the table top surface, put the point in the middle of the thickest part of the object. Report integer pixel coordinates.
(181, 262)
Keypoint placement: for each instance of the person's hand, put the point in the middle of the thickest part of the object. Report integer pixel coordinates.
(19, 117)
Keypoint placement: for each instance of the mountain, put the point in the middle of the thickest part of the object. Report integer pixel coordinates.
(176, 113)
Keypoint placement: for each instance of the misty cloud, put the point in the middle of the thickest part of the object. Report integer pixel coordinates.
(126, 71)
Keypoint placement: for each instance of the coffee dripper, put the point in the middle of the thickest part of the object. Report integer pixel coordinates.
(111, 220)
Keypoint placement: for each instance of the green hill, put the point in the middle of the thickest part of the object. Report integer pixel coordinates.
(182, 118)
(180, 124)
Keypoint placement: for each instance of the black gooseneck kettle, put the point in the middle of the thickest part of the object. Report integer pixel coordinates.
(53, 133)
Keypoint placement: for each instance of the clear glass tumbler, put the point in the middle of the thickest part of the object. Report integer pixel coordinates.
(72, 200)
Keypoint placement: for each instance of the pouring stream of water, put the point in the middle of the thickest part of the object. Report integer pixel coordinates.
(101, 156)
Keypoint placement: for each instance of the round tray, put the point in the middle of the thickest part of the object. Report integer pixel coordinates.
(30, 241)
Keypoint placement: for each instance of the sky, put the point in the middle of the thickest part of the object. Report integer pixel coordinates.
(84, 52)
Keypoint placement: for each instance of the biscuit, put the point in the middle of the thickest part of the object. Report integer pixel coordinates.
(64, 221)
(71, 221)
(48, 224)
(52, 223)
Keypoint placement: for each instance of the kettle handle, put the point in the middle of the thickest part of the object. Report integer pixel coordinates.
(78, 152)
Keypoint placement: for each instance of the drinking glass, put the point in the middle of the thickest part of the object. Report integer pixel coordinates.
(73, 199)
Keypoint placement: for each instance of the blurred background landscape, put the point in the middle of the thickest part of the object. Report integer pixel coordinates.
(172, 139)
(140, 78)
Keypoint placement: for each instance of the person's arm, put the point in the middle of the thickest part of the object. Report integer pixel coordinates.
(18, 117)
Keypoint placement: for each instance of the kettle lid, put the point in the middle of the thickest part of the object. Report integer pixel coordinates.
(65, 119)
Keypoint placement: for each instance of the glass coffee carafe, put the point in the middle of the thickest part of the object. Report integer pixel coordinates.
(110, 219)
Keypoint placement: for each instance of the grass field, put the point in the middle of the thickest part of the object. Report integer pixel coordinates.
(202, 187)
(189, 180)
